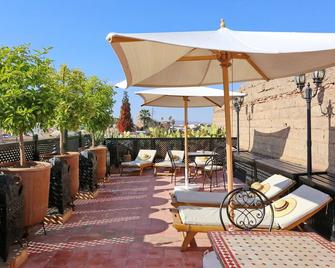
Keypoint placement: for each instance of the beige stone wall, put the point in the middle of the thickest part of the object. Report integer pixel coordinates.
(273, 122)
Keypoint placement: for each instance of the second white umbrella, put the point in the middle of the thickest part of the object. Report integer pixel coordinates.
(185, 97)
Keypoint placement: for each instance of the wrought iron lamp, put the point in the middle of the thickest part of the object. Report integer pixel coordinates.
(329, 109)
(237, 104)
(308, 94)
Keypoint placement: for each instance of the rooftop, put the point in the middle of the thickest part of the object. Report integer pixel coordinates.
(128, 224)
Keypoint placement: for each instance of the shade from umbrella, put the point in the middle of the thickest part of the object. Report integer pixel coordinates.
(211, 57)
(185, 97)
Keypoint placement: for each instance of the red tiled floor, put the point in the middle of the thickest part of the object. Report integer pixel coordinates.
(127, 225)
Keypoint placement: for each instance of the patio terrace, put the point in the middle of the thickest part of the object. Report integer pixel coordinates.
(127, 225)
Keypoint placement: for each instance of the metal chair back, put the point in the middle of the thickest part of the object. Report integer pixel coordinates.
(218, 158)
(173, 163)
(246, 208)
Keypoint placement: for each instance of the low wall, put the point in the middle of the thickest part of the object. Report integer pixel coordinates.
(273, 122)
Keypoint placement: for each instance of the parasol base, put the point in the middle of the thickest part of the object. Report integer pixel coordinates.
(182, 187)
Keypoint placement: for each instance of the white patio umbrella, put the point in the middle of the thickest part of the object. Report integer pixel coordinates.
(173, 59)
(184, 97)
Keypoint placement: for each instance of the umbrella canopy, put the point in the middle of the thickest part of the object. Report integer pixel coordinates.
(173, 97)
(184, 97)
(222, 56)
(190, 58)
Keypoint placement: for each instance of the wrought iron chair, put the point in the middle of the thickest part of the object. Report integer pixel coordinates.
(173, 170)
(247, 208)
(213, 165)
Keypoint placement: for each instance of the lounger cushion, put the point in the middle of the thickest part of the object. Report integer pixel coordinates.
(198, 165)
(177, 154)
(210, 260)
(200, 197)
(278, 184)
(214, 167)
(167, 164)
(136, 163)
(148, 155)
(308, 200)
(207, 216)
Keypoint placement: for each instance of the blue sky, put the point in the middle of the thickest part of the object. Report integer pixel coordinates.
(77, 29)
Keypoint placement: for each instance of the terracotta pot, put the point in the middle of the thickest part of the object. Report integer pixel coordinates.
(72, 159)
(36, 181)
(100, 152)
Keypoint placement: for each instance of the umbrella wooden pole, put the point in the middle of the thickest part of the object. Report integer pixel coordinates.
(229, 144)
(186, 140)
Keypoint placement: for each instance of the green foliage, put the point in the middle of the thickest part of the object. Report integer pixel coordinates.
(208, 131)
(147, 121)
(25, 89)
(99, 97)
(69, 98)
(145, 117)
(161, 132)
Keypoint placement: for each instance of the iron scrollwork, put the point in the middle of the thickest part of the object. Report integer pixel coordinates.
(246, 208)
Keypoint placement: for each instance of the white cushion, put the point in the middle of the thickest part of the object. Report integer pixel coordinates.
(165, 163)
(308, 200)
(200, 215)
(200, 197)
(142, 153)
(214, 167)
(178, 153)
(278, 183)
(198, 165)
(135, 163)
(210, 260)
(211, 216)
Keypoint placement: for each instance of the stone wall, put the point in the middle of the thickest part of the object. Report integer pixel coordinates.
(273, 122)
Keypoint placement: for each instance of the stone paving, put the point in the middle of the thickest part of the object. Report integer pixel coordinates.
(127, 225)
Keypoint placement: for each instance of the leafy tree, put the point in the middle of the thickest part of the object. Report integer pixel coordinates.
(145, 117)
(100, 99)
(70, 101)
(125, 122)
(25, 91)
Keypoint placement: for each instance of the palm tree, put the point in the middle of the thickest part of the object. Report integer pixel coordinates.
(145, 117)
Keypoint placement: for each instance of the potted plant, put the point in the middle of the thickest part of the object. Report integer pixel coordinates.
(26, 101)
(98, 117)
(70, 105)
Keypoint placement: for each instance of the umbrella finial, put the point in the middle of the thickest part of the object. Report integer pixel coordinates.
(222, 24)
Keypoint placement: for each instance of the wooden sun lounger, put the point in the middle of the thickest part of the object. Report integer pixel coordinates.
(192, 230)
(175, 203)
(135, 168)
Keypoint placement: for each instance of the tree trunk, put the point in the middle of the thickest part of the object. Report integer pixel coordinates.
(61, 142)
(22, 151)
(93, 140)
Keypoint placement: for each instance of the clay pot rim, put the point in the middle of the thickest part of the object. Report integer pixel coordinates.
(67, 154)
(38, 167)
(98, 148)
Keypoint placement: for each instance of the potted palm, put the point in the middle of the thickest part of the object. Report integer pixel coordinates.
(98, 117)
(26, 101)
(69, 98)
